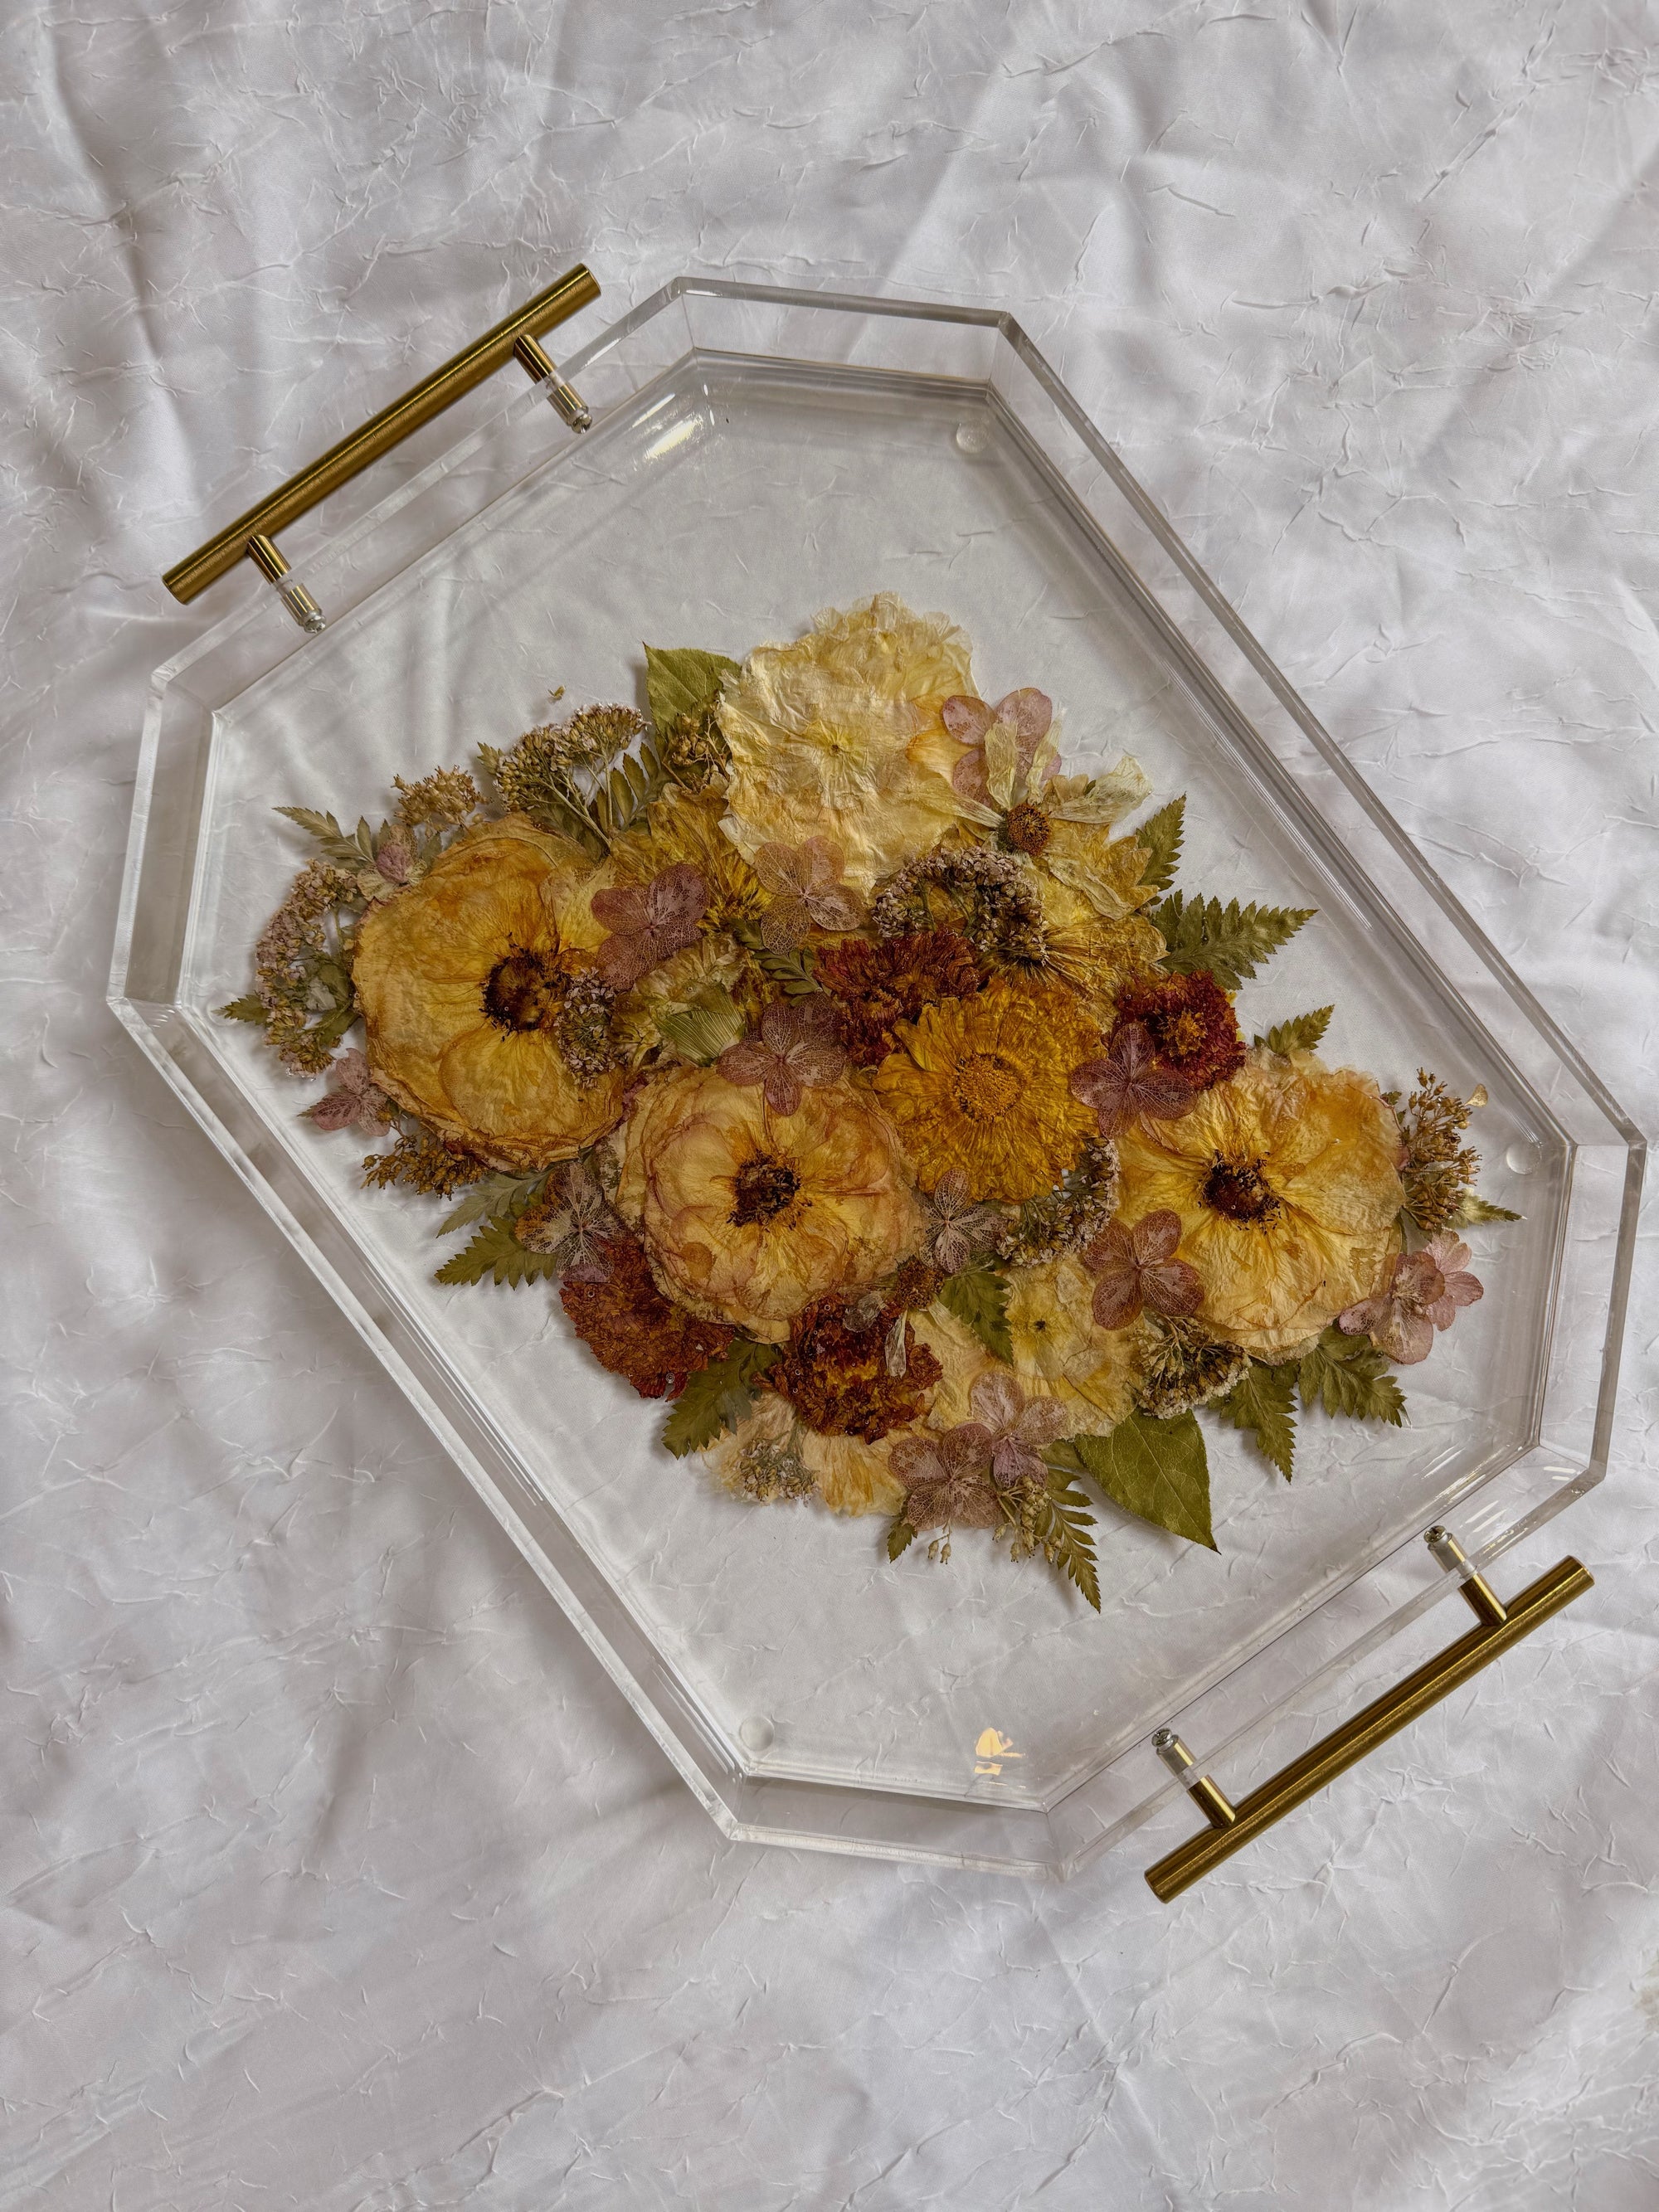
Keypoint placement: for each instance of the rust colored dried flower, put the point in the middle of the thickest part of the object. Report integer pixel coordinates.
(797, 1048)
(836, 1375)
(1128, 1082)
(632, 1329)
(448, 798)
(421, 1162)
(352, 1101)
(880, 985)
(1191, 1022)
(914, 1289)
(1439, 1170)
(807, 892)
(1136, 1271)
(647, 921)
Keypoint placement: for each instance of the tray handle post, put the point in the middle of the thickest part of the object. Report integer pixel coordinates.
(1231, 1826)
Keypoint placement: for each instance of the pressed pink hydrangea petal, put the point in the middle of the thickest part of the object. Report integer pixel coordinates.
(747, 1062)
(967, 719)
(1464, 1289)
(1154, 1237)
(836, 908)
(1117, 1300)
(1031, 713)
(1173, 1289)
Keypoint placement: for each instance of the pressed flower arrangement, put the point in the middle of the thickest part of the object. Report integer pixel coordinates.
(864, 1089)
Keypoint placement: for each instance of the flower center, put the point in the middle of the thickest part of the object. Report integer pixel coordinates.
(763, 1189)
(521, 990)
(1027, 827)
(1237, 1189)
(987, 1086)
(1181, 1038)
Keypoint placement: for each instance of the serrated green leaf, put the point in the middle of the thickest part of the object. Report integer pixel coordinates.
(1063, 1528)
(1161, 834)
(1231, 941)
(899, 1535)
(1262, 1403)
(496, 1252)
(979, 1298)
(1300, 1034)
(682, 680)
(1471, 1212)
(332, 842)
(503, 1195)
(1157, 1469)
(717, 1397)
(248, 1009)
(332, 1027)
(1349, 1377)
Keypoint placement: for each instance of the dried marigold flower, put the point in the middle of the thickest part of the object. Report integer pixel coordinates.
(880, 985)
(632, 1329)
(836, 1375)
(1191, 1022)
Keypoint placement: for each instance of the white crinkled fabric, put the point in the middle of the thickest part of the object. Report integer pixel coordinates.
(336, 1875)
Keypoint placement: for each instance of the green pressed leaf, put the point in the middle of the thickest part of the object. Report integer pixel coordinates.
(1063, 1527)
(681, 680)
(249, 1009)
(495, 1252)
(716, 1398)
(703, 1030)
(500, 1195)
(1231, 941)
(979, 1298)
(1348, 1375)
(899, 1535)
(1161, 834)
(1469, 1215)
(1261, 1403)
(332, 842)
(1157, 1470)
(332, 1027)
(1301, 1034)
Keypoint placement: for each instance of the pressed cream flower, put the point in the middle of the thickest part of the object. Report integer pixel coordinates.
(462, 978)
(748, 1214)
(823, 737)
(1285, 1182)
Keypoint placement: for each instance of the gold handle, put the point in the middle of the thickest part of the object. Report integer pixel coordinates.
(515, 335)
(1231, 1826)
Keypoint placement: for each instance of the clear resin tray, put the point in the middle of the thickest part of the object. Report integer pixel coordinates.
(754, 455)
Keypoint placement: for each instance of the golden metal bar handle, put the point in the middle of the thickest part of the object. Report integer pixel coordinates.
(1232, 1826)
(575, 289)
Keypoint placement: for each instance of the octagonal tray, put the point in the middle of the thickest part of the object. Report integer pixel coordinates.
(756, 455)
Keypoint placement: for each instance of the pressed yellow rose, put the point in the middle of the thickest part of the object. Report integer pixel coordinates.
(1285, 1180)
(983, 1084)
(748, 1214)
(459, 978)
(1060, 1353)
(850, 1476)
(825, 735)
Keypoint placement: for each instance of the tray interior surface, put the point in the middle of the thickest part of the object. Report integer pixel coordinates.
(723, 505)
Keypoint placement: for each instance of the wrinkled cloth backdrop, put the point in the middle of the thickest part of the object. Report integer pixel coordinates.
(335, 1872)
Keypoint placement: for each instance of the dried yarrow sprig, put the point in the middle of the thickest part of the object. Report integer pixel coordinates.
(983, 892)
(418, 1161)
(1189, 1367)
(769, 1473)
(1440, 1170)
(301, 967)
(443, 800)
(588, 778)
(1065, 1219)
